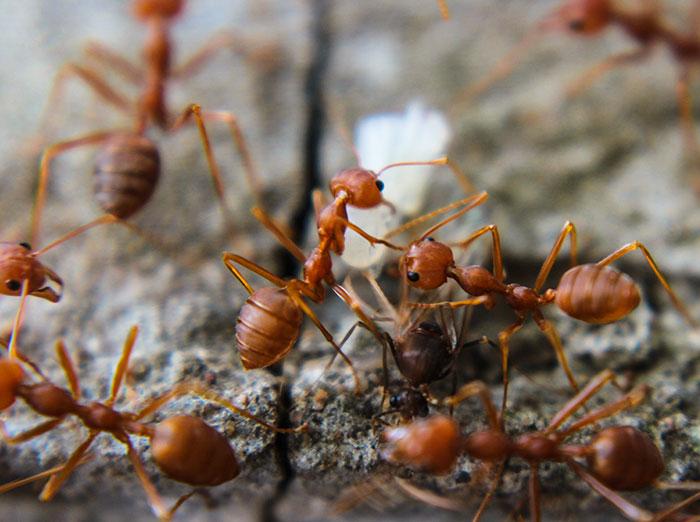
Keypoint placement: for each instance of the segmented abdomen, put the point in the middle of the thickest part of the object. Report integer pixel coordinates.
(267, 327)
(126, 172)
(597, 294)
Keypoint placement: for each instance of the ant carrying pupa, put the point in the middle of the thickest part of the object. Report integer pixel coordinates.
(183, 447)
(618, 458)
(128, 165)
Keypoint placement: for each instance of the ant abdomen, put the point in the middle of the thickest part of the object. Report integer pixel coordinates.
(432, 444)
(267, 327)
(624, 458)
(596, 294)
(424, 355)
(126, 173)
(188, 450)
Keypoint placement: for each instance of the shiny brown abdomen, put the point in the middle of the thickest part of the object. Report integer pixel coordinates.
(126, 173)
(187, 449)
(267, 327)
(625, 459)
(596, 294)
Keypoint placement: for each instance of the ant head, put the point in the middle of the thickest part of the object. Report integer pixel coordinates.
(431, 444)
(145, 9)
(426, 263)
(11, 376)
(410, 402)
(16, 265)
(363, 188)
(586, 17)
(625, 459)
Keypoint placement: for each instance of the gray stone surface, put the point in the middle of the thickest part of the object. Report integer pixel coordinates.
(610, 160)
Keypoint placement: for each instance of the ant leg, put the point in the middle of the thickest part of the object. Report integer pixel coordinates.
(66, 362)
(49, 153)
(503, 339)
(553, 337)
(428, 497)
(122, 365)
(113, 61)
(202, 391)
(663, 515)
(195, 111)
(467, 204)
(629, 400)
(585, 80)
(296, 297)
(30, 433)
(474, 301)
(276, 230)
(630, 510)
(571, 407)
(476, 388)
(444, 10)
(686, 111)
(12, 350)
(636, 245)
(491, 491)
(534, 488)
(76, 458)
(568, 230)
(180, 501)
(370, 238)
(28, 480)
(495, 247)
(154, 498)
(229, 258)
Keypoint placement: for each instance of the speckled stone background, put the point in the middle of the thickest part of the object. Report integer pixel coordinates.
(610, 160)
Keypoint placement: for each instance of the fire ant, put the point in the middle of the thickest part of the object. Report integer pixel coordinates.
(127, 167)
(595, 292)
(641, 21)
(184, 447)
(619, 458)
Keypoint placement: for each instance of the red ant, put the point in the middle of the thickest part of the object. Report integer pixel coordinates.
(619, 458)
(128, 164)
(594, 293)
(184, 447)
(642, 22)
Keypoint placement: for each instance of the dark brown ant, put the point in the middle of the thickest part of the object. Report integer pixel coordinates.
(619, 458)
(641, 21)
(594, 293)
(184, 447)
(127, 168)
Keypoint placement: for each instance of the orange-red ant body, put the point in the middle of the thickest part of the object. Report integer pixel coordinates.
(184, 447)
(128, 163)
(619, 458)
(594, 293)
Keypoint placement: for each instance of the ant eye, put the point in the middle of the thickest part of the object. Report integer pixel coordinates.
(394, 401)
(380, 184)
(576, 25)
(13, 285)
(413, 276)
(431, 239)
(26, 245)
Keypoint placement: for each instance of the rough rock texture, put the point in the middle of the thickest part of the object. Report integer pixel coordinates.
(610, 160)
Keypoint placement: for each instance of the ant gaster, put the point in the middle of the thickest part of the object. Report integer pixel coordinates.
(184, 447)
(619, 458)
(127, 167)
(594, 293)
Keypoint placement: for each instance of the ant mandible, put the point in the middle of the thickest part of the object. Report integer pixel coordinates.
(619, 458)
(127, 167)
(184, 447)
(595, 293)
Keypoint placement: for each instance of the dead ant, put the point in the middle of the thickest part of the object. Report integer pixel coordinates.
(595, 292)
(127, 168)
(184, 447)
(619, 458)
(642, 22)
